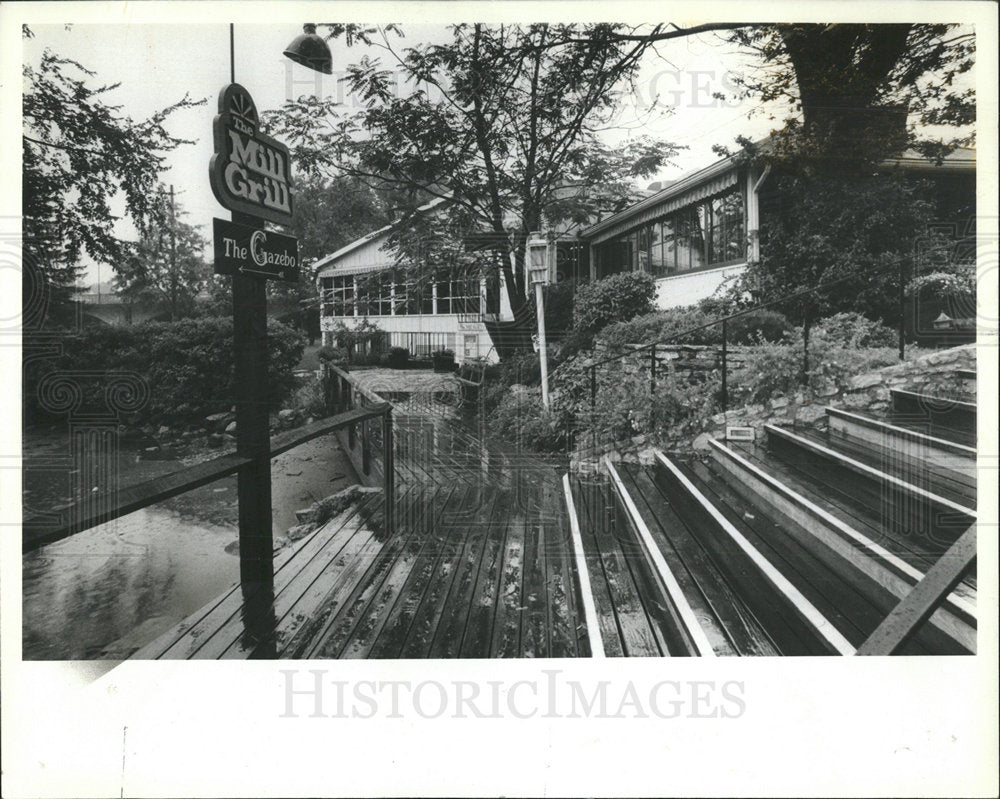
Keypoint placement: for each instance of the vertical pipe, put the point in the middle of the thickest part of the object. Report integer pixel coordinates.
(593, 406)
(725, 370)
(543, 355)
(652, 387)
(232, 53)
(366, 449)
(902, 309)
(388, 471)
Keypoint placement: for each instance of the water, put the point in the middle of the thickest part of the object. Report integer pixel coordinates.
(107, 591)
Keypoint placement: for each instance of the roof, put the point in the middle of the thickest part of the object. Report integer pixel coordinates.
(328, 260)
(960, 160)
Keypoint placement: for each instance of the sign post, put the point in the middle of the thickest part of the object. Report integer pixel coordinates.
(250, 174)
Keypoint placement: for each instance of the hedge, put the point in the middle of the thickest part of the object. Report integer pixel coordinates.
(186, 366)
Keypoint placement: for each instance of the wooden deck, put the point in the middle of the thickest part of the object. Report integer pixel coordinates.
(479, 565)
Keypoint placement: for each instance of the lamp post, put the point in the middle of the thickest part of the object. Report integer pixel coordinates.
(539, 262)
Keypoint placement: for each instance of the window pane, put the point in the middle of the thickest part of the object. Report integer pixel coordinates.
(700, 228)
(735, 235)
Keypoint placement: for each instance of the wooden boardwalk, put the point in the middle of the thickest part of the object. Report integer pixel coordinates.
(479, 565)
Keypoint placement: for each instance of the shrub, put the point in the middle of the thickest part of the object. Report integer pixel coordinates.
(772, 369)
(613, 299)
(559, 298)
(398, 358)
(852, 330)
(520, 418)
(186, 366)
(692, 325)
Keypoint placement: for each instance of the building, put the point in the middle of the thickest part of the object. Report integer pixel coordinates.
(690, 236)
(701, 230)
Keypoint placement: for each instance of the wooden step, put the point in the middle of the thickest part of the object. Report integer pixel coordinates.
(818, 623)
(583, 574)
(939, 465)
(914, 493)
(862, 556)
(688, 627)
(942, 417)
(856, 502)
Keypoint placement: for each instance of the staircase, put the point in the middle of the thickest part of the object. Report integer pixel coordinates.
(802, 543)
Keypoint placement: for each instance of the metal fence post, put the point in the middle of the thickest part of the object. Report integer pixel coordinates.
(366, 449)
(725, 370)
(902, 308)
(652, 386)
(388, 471)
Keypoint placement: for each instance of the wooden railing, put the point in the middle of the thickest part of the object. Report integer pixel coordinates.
(363, 441)
(74, 518)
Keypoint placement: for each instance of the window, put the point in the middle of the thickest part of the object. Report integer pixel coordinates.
(338, 295)
(705, 233)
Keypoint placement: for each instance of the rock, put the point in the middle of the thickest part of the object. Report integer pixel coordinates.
(287, 414)
(826, 389)
(779, 402)
(216, 439)
(299, 531)
(701, 441)
(231, 428)
(866, 381)
(163, 431)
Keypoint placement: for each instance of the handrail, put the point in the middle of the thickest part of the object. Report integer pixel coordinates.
(92, 511)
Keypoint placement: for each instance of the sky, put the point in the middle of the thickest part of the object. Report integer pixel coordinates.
(157, 64)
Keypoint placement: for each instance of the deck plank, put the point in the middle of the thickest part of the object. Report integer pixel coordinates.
(638, 639)
(447, 640)
(465, 534)
(391, 609)
(338, 630)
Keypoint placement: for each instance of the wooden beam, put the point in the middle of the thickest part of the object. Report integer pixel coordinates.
(904, 620)
(586, 593)
(40, 531)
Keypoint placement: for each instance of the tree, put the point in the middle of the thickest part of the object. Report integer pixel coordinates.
(856, 92)
(166, 267)
(501, 128)
(79, 155)
(329, 213)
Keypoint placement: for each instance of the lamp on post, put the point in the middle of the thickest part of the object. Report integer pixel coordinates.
(310, 50)
(540, 247)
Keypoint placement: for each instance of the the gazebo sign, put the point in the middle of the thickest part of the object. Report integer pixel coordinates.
(250, 172)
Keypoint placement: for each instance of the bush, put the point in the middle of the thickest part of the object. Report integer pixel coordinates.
(559, 298)
(613, 299)
(186, 367)
(398, 358)
(520, 418)
(852, 330)
(673, 326)
(332, 354)
(774, 369)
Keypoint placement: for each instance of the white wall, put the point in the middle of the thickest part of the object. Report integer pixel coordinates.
(678, 290)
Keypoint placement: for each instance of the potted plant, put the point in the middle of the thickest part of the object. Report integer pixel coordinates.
(443, 360)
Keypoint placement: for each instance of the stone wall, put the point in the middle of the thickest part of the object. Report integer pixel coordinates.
(934, 373)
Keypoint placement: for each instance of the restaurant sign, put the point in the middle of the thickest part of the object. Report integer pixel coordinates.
(250, 172)
(254, 251)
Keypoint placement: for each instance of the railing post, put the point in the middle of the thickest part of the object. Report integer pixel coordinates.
(593, 406)
(725, 370)
(652, 387)
(351, 431)
(366, 449)
(388, 471)
(902, 308)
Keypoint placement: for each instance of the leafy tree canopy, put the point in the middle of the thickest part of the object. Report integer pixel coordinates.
(499, 126)
(166, 267)
(80, 153)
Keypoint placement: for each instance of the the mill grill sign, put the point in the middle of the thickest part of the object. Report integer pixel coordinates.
(250, 172)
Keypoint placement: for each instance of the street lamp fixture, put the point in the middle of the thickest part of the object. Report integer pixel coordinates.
(310, 50)
(540, 248)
